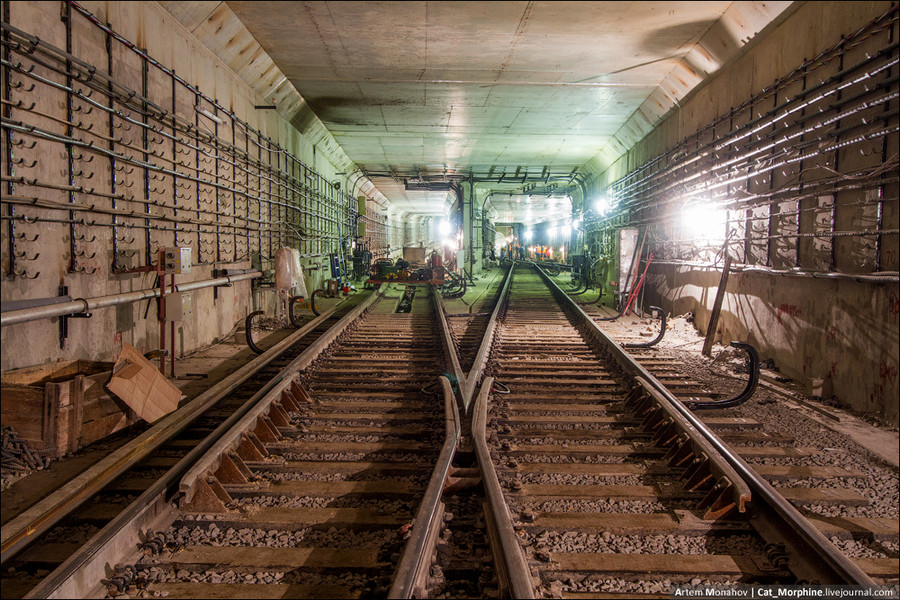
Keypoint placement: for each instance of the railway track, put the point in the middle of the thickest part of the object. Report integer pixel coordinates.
(94, 512)
(379, 467)
(322, 505)
(611, 489)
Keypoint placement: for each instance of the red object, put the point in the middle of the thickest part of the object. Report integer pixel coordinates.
(637, 288)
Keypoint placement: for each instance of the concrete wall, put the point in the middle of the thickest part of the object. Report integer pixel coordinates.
(840, 330)
(47, 260)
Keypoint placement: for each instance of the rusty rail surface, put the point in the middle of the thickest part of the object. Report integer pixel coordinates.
(512, 565)
(415, 561)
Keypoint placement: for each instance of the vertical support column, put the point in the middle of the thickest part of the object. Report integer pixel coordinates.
(774, 228)
(836, 165)
(162, 126)
(717, 307)
(276, 221)
(468, 205)
(890, 108)
(197, 189)
(218, 195)
(477, 244)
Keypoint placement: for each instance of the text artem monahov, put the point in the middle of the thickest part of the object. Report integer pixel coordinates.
(710, 592)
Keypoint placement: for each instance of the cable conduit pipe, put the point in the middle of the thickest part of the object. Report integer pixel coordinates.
(248, 328)
(599, 297)
(312, 301)
(621, 312)
(794, 104)
(587, 287)
(577, 291)
(659, 337)
(747, 393)
(79, 305)
(888, 277)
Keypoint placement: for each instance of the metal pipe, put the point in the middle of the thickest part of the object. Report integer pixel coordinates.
(747, 393)
(887, 277)
(659, 337)
(762, 122)
(15, 317)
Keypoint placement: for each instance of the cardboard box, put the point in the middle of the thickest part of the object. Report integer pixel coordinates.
(138, 383)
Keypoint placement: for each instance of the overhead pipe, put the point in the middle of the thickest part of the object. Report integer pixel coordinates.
(83, 305)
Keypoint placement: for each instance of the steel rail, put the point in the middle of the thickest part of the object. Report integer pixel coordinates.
(724, 473)
(74, 577)
(512, 564)
(455, 369)
(24, 529)
(487, 340)
(231, 437)
(415, 560)
(814, 557)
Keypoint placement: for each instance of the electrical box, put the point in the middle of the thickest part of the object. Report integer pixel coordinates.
(178, 306)
(460, 260)
(177, 260)
(335, 267)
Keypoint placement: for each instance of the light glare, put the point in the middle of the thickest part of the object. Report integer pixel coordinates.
(704, 221)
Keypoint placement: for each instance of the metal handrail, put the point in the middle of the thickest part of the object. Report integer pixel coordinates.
(415, 560)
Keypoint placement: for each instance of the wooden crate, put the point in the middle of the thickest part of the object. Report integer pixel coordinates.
(61, 407)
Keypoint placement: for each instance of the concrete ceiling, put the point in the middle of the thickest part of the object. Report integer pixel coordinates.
(441, 89)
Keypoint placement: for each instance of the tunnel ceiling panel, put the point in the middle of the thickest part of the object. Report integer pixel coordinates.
(425, 89)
